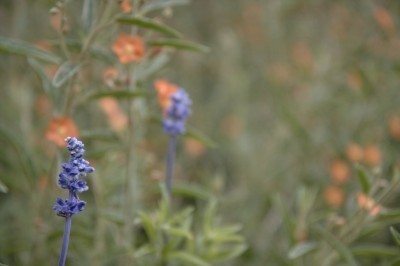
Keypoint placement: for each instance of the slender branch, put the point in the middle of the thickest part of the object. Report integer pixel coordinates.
(67, 231)
(64, 248)
(171, 153)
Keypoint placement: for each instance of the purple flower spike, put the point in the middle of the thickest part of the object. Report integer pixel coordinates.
(70, 178)
(177, 113)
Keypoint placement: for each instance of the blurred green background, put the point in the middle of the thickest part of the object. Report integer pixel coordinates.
(286, 87)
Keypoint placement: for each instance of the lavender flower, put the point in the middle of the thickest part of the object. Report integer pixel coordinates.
(177, 113)
(174, 125)
(70, 179)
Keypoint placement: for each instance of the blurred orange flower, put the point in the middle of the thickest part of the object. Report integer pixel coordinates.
(128, 48)
(125, 5)
(164, 90)
(354, 152)
(334, 196)
(59, 128)
(394, 127)
(302, 55)
(339, 171)
(367, 203)
(57, 21)
(354, 81)
(384, 19)
(194, 147)
(372, 155)
(116, 117)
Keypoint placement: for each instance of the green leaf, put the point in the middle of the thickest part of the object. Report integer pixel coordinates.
(222, 237)
(178, 232)
(161, 4)
(3, 187)
(65, 72)
(363, 179)
(201, 137)
(26, 49)
(118, 94)
(187, 258)
(148, 226)
(301, 249)
(231, 253)
(179, 44)
(143, 251)
(190, 191)
(181, 216)
(374, 250)
(395, 234)
(342, 250)
(87, 14)
(149, 24)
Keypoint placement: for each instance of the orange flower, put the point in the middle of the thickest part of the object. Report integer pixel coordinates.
(384, 19)
(394, 127)
(59, 128)
(354, 152)
(128, 48)
(368, 204)
(57, 21)
(116, 117)
(372, 155)
(339, 171)
(125, 6)
(334, 196)
(164, 90)
(194, 147)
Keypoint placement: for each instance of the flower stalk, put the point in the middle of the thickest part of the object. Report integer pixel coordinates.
(176, 111)
(70, 178)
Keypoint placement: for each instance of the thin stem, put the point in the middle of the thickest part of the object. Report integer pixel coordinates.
(64, 248)
(67, 231)
(170, 164)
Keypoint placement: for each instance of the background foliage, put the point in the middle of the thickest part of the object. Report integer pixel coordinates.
(285, 91)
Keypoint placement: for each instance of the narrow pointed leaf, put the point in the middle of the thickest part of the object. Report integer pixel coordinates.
(188, 258)
(363, 179)
(26, 49)
(191, 191)
(201, 137)
(161, 4)
(374, 250)
(301, 249)
(395, 234)
(179, 44)
(149, 24)
(3, 187)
